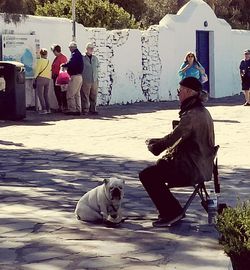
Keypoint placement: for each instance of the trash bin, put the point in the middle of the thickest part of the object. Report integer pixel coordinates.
(12, 91)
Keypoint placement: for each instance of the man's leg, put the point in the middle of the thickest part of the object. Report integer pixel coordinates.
(247, 97)
(64, 99)
(85, 92)
(246, 90)
(93, 97)
(57, 90)
(71, 92)
(153, 179)
(78, 93)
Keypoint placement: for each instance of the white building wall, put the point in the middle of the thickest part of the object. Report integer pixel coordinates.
(126, 60)
(143, 65)
(168, 52)
(184, 25)
(239, 42)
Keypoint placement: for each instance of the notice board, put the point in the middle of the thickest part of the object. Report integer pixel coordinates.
(21, 48)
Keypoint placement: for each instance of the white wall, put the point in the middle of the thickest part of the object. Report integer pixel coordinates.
(183, 27)
(143, 65)
(127, 67)
(239, 42)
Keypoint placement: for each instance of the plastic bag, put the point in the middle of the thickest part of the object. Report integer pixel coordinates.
(63, 77)
(203, 78)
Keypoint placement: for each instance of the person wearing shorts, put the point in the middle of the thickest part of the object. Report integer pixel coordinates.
(245, 76)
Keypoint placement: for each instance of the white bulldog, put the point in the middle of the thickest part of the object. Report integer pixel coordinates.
(102, 203)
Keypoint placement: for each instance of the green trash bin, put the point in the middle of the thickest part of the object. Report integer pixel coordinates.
(12, 91)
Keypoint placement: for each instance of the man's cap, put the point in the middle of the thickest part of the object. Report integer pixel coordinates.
(192, 83)
(90, 45)
(54, 47)
(246, 51)
(72, 44)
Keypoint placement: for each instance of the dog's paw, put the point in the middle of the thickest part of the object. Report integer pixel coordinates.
(111, 224)
(116, 219)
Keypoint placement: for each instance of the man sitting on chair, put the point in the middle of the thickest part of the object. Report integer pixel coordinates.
(189, 157)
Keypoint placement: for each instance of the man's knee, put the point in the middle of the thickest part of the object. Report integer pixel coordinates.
(142, 175)
(146, 174)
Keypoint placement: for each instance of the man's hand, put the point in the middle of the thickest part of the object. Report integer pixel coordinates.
(151, 141)
(154, 146)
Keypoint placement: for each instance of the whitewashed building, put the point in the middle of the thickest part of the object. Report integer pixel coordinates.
(143, 65)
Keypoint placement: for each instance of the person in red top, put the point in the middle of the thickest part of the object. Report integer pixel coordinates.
(58, 61)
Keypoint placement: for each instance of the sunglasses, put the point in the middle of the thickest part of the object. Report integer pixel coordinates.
(190, 55)
(179, 90)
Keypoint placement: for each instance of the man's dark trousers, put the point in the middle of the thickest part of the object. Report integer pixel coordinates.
(154, 179)
(60, 95)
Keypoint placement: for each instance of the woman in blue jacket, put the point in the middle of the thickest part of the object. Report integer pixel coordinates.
(191, 67)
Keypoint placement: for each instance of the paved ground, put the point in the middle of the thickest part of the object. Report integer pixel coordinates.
(48, 162)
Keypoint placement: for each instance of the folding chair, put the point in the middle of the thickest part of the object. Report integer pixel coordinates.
(200, 188)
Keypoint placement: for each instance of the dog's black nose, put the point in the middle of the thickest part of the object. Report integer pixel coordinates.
(116, 193)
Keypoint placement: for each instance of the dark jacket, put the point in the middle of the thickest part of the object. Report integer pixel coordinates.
(75, 64)
(245, 70)
(191, 144)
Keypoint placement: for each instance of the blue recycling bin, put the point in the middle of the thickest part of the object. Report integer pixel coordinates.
(12, 91)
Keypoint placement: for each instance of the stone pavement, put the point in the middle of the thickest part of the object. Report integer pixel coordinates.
(48, 162)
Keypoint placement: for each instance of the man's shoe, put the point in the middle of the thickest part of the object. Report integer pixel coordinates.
(73, 113)
(93, 113)
(246, 104)
(43, 112)
(166, 222)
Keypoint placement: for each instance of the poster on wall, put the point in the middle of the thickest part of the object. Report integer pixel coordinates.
(21, 48)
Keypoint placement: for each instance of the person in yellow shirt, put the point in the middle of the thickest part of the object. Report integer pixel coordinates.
(42, 77)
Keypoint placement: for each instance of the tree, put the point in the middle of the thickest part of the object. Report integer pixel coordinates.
(90, 13)
(15, 10)
(157, 9)
(235, 12)
(134, 7)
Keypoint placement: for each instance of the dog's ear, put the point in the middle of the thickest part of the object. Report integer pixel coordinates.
(105, 181)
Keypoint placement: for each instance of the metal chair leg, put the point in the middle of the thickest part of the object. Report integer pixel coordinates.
(196, 190)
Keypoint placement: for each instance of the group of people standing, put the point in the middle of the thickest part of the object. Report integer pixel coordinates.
(80, 95)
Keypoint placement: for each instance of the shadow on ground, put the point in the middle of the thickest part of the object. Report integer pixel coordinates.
(39, 191)
(119, 111)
